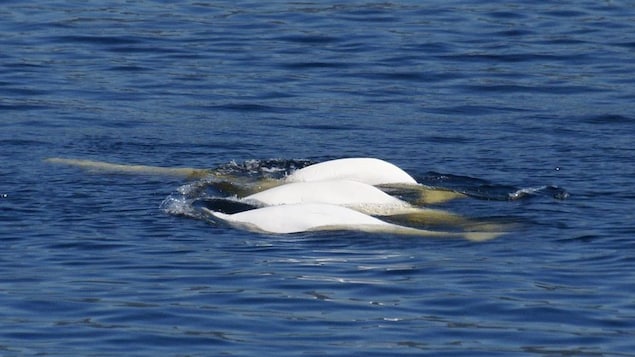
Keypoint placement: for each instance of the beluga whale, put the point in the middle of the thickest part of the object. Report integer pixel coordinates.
(356, 195)
(361, 169)
(368, 170)
(353, 194)
(307, 217)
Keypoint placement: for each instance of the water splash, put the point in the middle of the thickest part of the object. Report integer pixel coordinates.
(552, 191)
(262, 169)
(214, 192)
(178, 205)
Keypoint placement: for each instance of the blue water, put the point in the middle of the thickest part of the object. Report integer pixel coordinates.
(489, 97)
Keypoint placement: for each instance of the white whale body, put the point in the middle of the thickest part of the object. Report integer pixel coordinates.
(357, 195)
(297, 218)
(362, 169)
(352, 194)
(367, 170)
(305, 217)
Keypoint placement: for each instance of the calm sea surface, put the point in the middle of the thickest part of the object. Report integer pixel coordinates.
(493, 98)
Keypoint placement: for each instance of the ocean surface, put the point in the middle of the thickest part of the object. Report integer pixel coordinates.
(529, 107)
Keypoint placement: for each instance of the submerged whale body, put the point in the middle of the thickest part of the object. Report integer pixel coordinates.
(367, 170)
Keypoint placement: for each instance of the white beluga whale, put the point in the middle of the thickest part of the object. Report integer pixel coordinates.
(359, 196)
(347, 193)
(371, 171)
(306, 217)
(367, 170)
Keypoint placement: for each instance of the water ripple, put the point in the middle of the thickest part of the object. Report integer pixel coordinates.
(531, 101)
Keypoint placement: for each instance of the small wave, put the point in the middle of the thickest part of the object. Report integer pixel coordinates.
(552, 191)
(485, 190)
(262, 169)
(524, 192)
(178, 206)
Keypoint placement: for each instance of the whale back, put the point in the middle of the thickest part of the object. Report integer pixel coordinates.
(367, 170)
(298, 218)
(341, 192)
(306, 217)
